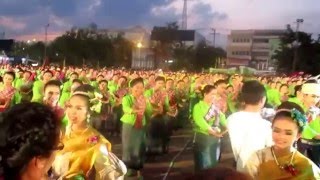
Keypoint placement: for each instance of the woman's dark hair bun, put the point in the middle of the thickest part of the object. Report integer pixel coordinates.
(27, 130)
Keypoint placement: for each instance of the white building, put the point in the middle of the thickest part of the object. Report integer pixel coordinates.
(253, 48)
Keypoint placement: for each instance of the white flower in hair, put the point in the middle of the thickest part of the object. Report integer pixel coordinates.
(317, 78)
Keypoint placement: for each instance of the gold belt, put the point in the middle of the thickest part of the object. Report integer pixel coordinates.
(311, 142)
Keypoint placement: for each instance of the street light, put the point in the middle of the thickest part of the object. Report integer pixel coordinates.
(296, 45)
(45, 41)
(139, 46)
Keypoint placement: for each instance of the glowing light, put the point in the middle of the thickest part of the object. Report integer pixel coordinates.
(35, 64)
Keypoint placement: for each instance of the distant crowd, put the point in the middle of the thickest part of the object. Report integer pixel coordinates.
(56, 122)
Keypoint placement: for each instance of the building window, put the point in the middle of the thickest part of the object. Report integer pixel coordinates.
(260, 53)
(241, 53)
(261, 40)
(240, 40)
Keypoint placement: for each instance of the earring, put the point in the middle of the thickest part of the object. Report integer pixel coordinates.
(88, 117)
(295, 144)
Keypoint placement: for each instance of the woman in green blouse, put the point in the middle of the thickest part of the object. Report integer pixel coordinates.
(208, 121)
(133, 127)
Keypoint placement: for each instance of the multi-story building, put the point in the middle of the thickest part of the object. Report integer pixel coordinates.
(253, 48)
(142, 55)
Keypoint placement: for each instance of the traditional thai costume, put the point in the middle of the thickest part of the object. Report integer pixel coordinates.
(117, 107)
(24, 91)
(86, 152)
(157, 129)
(206, 146)
(182, 97)
(133, 132)
(308, 144)
(37, 91)
(264, 165)
(172, 113)
(6, 97)
(66, 93)
(107, 125)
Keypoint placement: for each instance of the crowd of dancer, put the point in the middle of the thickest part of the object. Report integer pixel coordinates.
(273, 122)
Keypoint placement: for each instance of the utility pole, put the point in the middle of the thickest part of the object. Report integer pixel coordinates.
(45, 41)
(296, 45)
(214, 37)
(184, 24)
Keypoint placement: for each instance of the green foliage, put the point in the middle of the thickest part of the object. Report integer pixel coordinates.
(34, 51)
(308, 53)
(198, 58)
(80, 45)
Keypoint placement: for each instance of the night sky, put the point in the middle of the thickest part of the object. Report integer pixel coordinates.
(26, 19)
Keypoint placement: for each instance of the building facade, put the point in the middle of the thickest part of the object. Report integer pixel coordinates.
(253, 48)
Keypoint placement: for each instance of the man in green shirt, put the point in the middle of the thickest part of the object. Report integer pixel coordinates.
(24, 87)
(297, 96)
(66, 91)
(309, 143)
(157, 134)
(39, 85)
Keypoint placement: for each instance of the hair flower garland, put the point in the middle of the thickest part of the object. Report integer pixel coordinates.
(300, 118)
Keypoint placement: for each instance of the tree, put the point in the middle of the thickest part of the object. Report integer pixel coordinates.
(163, 48)
(182, 57)
(80, 45)
(308, 53)
(33, 50)
(206, 56)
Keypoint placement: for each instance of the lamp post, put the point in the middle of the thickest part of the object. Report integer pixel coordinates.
(45, 41)
(139, 46)
(296, 45)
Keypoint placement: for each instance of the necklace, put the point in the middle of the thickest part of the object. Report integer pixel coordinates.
(286, 167)
(74, 133)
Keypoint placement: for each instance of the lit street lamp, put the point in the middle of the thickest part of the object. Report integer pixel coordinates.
(139, 46)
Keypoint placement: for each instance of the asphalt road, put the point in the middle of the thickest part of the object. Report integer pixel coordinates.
(183, 166)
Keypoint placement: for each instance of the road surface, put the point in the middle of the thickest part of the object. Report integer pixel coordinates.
(183, 166)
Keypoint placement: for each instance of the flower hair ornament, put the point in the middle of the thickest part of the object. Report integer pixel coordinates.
(297, 116)
(94, 99)
(301, 121)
